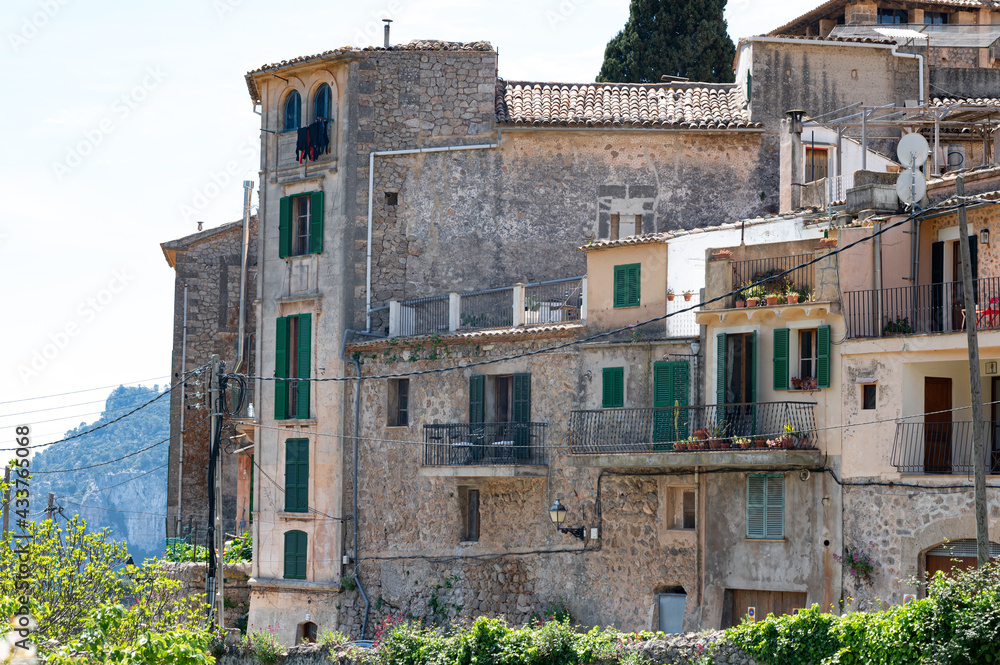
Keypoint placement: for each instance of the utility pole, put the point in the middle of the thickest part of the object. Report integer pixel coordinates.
(6, 501)
(220, 532)
(975, 382)
(211, 594)
(50, 510)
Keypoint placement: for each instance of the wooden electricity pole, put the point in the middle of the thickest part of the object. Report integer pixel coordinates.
(6, 501)
(975, 382)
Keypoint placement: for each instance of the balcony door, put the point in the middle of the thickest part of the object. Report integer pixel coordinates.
(947, 298)
(736, 383)
(993, 461)
(937, 426)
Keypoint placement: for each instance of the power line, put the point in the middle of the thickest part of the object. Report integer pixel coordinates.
(939, 207)
(70, 406)
(115, 510)
(282, 490)
(102, 489)
(85, 390)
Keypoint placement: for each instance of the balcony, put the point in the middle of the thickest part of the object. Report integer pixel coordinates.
(650, 437)
(801, 278)
(485, 449)
(942, 448)
(920, 310)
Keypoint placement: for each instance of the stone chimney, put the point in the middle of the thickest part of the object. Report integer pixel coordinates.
(790, 155)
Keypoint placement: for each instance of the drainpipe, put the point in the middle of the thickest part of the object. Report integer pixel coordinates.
(180, 436)
(914, 265)
(241, 326)
(371, 195)
(878, 272)
(920, 65)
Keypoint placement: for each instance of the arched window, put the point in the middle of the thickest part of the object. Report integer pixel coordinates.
(306, 633)
(324, 103)
(293, 111)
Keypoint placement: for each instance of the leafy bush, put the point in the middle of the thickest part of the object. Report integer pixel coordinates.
(91, 607)
(240, 550)
(182, 551)
(958, 623)
(263, 644)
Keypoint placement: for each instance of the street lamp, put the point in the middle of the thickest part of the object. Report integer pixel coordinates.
(557, 513)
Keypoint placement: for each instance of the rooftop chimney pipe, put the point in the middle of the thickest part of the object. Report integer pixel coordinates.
(387, 21)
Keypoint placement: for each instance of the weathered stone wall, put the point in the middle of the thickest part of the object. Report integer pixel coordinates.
(209, 264)
(235, 586)
(898, 524)
(413, 557)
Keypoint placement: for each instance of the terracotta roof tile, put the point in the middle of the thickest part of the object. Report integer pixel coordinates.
(834, 5)
(476, 336)
(666, 105)
(957, 101)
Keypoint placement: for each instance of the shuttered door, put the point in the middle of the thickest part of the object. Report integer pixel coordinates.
(670, 396)
(281, 369)
(304, 350)
(774, 514)
(780, 360)
(937, 287)
(521, 415)
(295, 555)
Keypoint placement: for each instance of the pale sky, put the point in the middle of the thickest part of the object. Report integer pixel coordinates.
(127, 122)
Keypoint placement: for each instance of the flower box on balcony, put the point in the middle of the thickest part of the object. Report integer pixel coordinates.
(722, 255)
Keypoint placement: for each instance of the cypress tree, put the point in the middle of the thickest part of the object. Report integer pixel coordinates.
(675, 37)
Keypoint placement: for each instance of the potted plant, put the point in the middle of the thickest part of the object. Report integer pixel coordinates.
(688, 294)
(753, 294)
(743, 443)
(722, 254)
(804, 293)
(670, 295)
(680, 445)
(901, 326)
(694, 443)
(771, 299)
(796, 383)
(741, 300)
(791, 295)
(699, 435)
(715, 437)
(781, 442)
(760, 442)
(808, 383)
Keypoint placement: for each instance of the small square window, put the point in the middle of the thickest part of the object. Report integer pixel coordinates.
(398, 409)
(869, 396)
(627, 282)
(392, 198)
(623, 226)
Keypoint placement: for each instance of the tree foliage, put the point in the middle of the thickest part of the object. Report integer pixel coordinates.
(91, 606)
(685, 38)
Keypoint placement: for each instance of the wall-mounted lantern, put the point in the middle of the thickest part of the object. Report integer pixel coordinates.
(557, 513)
(984, 236)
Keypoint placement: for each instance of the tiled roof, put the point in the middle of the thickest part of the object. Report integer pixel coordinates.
(822, 10)
(415, 45)
(972, 101)
(834, 38)
(663, 105)
(527, 333)
(653, 238)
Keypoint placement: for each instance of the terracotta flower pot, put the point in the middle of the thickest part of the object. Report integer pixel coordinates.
(760, 443)
(670, 297)
(772, 301)
(687, 296)
(751, 302)
(740, 304)
(792, 298)
(681, 445)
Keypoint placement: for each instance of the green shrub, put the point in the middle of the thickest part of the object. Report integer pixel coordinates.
(263, 644)
(240, 550)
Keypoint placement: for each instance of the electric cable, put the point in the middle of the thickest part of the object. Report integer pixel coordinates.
(76, 392)
(939, 207)
(146, 473)
(116, 510)
(282, 490)
(70, 406)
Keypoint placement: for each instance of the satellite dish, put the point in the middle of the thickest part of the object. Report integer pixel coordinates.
(911, 186)
(912, 150)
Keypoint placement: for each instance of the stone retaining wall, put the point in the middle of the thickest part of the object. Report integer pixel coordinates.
(235, 586)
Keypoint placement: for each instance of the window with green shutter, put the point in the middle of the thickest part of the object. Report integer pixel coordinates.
(297, 475)
(613, 387)
(766, 506)
(292, 360)
(627, 281)
(300, 224)
(780, 360)
(823, 356)
(295, 555)
(670, 395)
(477, 399)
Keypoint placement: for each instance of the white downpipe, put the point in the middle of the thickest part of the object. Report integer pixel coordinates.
(371, 197)
(920, 65)
(180, 435)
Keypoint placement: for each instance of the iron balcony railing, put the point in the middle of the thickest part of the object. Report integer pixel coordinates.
(485, 444)
(942, 448)
(919, 310)
(767, 270)
(553, 301)
(424, 316)
(489, 308)
(658, 429)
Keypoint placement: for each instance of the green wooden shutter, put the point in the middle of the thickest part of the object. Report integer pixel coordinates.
(297, 475)
(670, 393)
(781, 358)
(753, 367)
(281, 368)
(627, 286)
(304, 350)
(720, 368)
(620, 287)
(774, 512)
(477, 398)
(634, 284)
(756, 497)
(613, 387)
(285, 227)
(316, 223)
(522, 415)
(295, 555)
(823, 356)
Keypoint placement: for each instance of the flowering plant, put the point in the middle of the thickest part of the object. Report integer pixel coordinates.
(858, 561)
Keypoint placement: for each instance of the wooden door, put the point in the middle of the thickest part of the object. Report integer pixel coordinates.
(937, 426)
(763, 603)
(947, 563)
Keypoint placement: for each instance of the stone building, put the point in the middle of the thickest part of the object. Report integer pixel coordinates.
(206, 310)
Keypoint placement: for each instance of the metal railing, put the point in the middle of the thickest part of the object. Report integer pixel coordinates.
(942, 448)
(489, 308)
(755, 270)
(683, 324)
(424, 316)
(657, 429)
(919, 310)
(553, 301)
(485, 444)
(837, 186)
